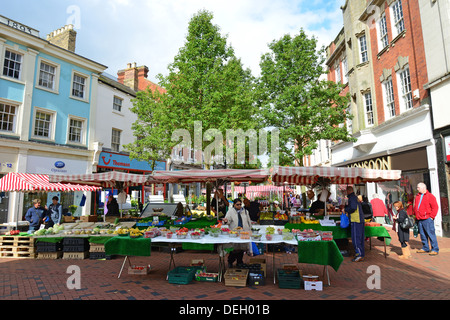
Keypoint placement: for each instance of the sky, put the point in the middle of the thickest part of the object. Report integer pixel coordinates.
(151, 32)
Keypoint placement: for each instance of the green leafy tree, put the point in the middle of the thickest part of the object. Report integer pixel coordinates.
(206, 84)
(294, 98)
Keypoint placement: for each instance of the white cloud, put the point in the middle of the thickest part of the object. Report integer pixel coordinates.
(150, 32)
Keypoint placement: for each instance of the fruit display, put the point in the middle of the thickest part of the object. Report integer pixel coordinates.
(122, 231)
(309, 221)
(270, 230)
(266, 215)
(135, 233)
(280, 216)
(233, 234)
(244, 235)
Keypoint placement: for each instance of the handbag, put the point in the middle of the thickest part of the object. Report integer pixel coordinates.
(408, 223)
(344, 220)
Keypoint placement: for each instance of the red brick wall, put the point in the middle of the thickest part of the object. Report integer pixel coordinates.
(411, 46)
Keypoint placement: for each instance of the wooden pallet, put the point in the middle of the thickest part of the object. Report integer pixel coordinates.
(17, 254)
(16, 241)
(50, 255)
(76, 255)
(17, 249)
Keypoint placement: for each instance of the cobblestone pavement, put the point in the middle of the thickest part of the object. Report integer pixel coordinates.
(422, 277)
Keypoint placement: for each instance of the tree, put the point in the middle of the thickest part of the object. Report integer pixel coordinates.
(206, 84)
(293, 98)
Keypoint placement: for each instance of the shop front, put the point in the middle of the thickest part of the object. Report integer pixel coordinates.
(109, 161)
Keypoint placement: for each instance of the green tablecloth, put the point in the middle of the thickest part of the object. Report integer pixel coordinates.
(127, 246)
(343, 233)
(91, 239)
(320, 252)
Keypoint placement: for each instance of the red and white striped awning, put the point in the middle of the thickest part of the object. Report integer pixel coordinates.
(109, 179)
(29, 182)
(331, 175)
(221, 175)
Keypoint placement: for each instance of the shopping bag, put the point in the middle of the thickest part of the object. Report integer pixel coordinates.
(344, 220)
(255, 249)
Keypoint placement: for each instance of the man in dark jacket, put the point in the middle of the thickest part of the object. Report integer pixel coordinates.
(35, 215)
(356, 216)
(425, 210)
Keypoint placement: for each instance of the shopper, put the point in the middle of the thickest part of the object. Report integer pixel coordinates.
(236, 217)
(356, 215)
(317, 205)
(425, 211)
(403, 234)
(113, 206)
(253, 208)
(35, 215)
(219, 202)
(55, 212)
(379, 209)
(366, 206)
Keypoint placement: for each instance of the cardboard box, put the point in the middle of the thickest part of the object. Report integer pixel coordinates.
(68, 219)
(313, 285)
(260, 261)
(88, 218)
(197, 262)
(139, 270)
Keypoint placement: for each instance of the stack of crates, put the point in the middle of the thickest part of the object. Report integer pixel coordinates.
(97, 251)
(255, 274)
(75, 248)
(17, 247)
(49, 250)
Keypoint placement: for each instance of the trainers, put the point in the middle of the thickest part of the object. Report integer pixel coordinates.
(358, 259)
(421, 251)
(433, 253)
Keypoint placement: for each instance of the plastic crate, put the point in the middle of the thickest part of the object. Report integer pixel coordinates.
(76, 248)
(256, 279)
(74, 241)
(97, 255)
(48, 246)
(289, 279)
(182, 275)
(206, 277)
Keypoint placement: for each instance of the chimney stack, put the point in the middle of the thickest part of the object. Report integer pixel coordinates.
(64, 37)
(132, 76)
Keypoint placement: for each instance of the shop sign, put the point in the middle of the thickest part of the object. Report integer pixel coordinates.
(45, 165)
(447, 148)
(121, 161)
(381, 163)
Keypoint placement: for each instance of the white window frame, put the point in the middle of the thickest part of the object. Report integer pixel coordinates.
(116, 104)
(363, 50)
(21, 63)
(389, 98)
(397, 18)
(113, 141)
(85, 97)
(52, 126)
(405, 89)
(57, 67)
(345, 70)
(338, 73)
(383, 37)
(15, 118)
(83, 130)
(369, 115)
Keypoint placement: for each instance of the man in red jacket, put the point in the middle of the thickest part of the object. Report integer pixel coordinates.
(425, 210)
(379, 209)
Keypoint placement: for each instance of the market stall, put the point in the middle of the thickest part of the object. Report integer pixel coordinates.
(28, 182)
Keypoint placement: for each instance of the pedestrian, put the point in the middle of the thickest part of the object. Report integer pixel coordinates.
(317, 205)
(366, 206)
(388, 202)
(55, 212)
(355, 211)
(403, 234)
(113, 206)
(219, 202)
(237, 217)
(379, 209)
(253, 208)
(425, 211)
(35, 215)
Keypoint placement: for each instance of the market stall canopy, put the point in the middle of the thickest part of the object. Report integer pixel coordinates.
(218, 176)
(29, 182)
(331, 175)
(109, 179)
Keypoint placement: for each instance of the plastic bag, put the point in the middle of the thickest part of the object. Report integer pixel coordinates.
(344, 220)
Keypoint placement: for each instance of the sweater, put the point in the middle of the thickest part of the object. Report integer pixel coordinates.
(428, 207)
(378, 207)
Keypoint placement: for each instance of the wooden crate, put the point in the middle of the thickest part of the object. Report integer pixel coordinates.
(96, 247)
(88, 218)
(50, 255)
(76, 255)
(236, 277)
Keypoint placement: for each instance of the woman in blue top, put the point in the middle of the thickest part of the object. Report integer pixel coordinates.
(35, 215)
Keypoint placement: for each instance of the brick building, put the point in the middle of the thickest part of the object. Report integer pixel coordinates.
(381, 53)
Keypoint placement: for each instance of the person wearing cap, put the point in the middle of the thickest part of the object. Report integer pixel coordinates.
(277, 205)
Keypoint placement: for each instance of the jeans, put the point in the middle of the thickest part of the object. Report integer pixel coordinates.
(427, 233)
